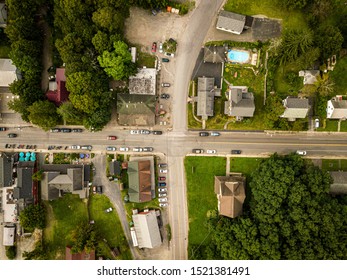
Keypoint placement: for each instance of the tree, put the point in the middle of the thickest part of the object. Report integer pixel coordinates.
(19, 106)
(44, 114)
(294, 4)
(98, 119)
(37, 176)
(329, 40)
(69, 113)
(273, 109)
(39, 253)
(11, 252)
(109, 19)
(324, 85)
(33, 216)
(84, 238)
(102, 42)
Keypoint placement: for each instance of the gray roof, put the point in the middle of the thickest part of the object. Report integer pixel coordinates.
(8, 72)
(214, 54)
(337, 109)
(310, 76)
(295, 108)
(143, 82)
(205, 98)
(147, 229)
(231, 22)
(115, 167)
(339, 185)
(6, 165)
(3, 15)
(24, 188)
(240, 104)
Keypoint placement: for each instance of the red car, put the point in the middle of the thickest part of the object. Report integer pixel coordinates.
(154, 47)
(161, 178)
(112, 137)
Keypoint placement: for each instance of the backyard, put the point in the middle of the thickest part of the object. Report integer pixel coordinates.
(334, 164)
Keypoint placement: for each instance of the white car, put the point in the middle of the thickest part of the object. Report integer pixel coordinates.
(134, 131)
(211, 151)
(302, 153)
(111, 148)
(163, 199)
(316, 123)
(162, 194)
(108, 210)
(137, 149)
(215, 134)
(75, 147)
(162, 190)
(163, 170)
(123, 149)
(144, 131)
(160, 47)
(163, 204)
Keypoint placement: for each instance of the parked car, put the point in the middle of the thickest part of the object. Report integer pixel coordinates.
(236, 152)
(157, 132)
(163, 199)
(112, 137)
(154, 47)
(12, 135)
(165, 60)
(124, 149)
(94, 189)
(162, 178)
(215, 133)
(134, 131)
(316, 123)
(162, 194)
(211, 151)
(144, 131)
(148, 149)
(108, 210)
(75, 147)
(302, 153)
(162, 165)
(197, 151)
(162, 170)
(163, 204)
(111, 148)
(165, 84)
(162, 190)
(66, 130)
(77, 130)
(169, 54)
(161, 184)
(55, 130)
(161, 48)
(86, 147)
(154, 12)
(204, 133)
(165, 96)
(2, 128)
(99, 189)
(137, 149)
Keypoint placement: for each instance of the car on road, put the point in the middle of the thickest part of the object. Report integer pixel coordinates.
(99, 189)
(124, 149)
(165, 84)
(86, 147)
(112, 137)
(108, 210)
(154, 47)
(77, 130)
(160, 47)
(316, 123)
(204, 133)
(75, 147)
(162, 190)
(163, 199)
(55, 130)
(162, 165)
(134, 131)
(66, 130)
(161, 184)
(169, 54)
(162, 178)
(165, 60)
(162, 194)
(215, 133)
(94, 189)
(198, 151)
(144, 131)
(236, 152)
(163, 204)
(2, 128)
(162, 170)
(137, 149)
(211, 151)
(12, 135)
(157, 132)
(148, 149)
(165, 96)
(301, 153)
(111, 148)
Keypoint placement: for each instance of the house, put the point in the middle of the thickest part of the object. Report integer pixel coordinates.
(139, 175)
(6, 166)
(206, 93)
(337, 108)
(230, 191)
(8, 72)
(9, 235)
(214, 54)
(147, 229)
(136, 109)
(233, 23)
(240, 103)
(57, 92)
(115, 167)
(310, 76)
(339, 185)
(144, 82)
(90, 256)
(64, 178)
(295, 108)
(3, 15)
(25, 184)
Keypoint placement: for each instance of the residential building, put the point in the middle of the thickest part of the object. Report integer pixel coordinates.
(147, 229)
(57, 92)
(9, 235)
(139, 176)
(310, 76)
(214, 54)
(86, 256)
(295, 108)
(3, 15)
(233, 23)
(240, 103)
(115, 167)
(8, 72)
(6, 174)
(206, 93)
(144, 82)
(25, 185)
(231, 194)
(337, 108)
(339, 185)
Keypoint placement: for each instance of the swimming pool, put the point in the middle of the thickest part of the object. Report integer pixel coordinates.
(238, 56)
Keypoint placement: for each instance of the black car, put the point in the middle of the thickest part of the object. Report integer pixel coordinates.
(55, 130)
(99, 189)
(165, 60)
(204, 133)
(236, 152)
(77, 130)
(2, 128)
(157, 132)
(165, 96)
(66, 130)
(162, 165)
(12, 135)
(197, 151)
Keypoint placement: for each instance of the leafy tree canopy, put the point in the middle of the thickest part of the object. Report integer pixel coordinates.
(44, 114)
(33, 216)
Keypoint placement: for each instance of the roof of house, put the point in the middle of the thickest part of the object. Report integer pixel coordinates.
(310, 76)
(231, 22)
(3, 15)
(9, 235)
(337, 109)
(8, 72)
(6, 165)
(147, 229)
(339, 185)
(231, 194)
(240, 103)
(143, 82)
(295, 107)
(115, 167)
(24, 188)
(139, 174)
(214, 54)
(136, 109)
(79, 256)
(205, 97)
(60, 94)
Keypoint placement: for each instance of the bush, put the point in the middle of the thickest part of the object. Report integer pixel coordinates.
(11, 252)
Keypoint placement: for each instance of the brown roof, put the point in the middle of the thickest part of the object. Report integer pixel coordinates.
(79, 256)
(139, 174)
(230, 192)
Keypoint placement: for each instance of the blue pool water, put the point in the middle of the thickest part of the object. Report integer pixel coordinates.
(238, 56)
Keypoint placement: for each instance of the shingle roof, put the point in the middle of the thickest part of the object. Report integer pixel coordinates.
(339, 185)
(214, 54)
(240, 104)
(147, 229)
(143, 82)
(3, 15)
(115, 167)
(205, 97)
(139, 174)
(6, 165)
(7, 72)
(231, 22)
(24, 187)
(295, 108)
(337, 109)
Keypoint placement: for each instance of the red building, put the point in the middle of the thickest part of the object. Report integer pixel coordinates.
(57, 92)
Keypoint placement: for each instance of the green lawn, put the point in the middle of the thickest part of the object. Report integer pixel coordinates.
(328, 125)
(244, 165)
(338, 76)
(200, 172)
(334, 164)
(284, 84)
(343, 127)
(108, 227)
(192, 122)
(64, 215)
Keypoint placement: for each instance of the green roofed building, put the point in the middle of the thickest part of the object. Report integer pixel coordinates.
(136, 109)
(139, 174)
